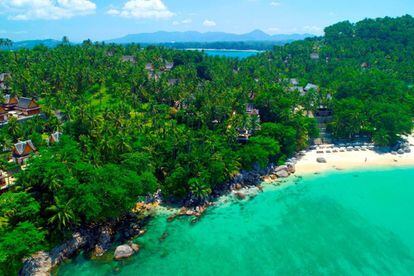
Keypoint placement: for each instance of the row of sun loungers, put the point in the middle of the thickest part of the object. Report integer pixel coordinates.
(344, 148)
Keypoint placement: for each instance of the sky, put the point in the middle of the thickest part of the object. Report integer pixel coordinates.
(107, 19)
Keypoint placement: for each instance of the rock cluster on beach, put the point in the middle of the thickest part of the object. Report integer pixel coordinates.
(254, 179)
(402, 148)
(280, 172)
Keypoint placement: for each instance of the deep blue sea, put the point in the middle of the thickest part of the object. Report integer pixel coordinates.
(338, 223)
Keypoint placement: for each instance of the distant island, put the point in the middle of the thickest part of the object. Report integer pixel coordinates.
(209, 37)
(256, 40)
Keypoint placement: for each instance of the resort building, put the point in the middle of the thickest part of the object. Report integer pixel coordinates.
(22, 150)
(28, 106)
(3, 115)
(10, 102)
(149, 67)
(169, 66)
(250, 110)
(311, 86)
(129, 59)
(55, 137)
(294, 82)
(243, 135)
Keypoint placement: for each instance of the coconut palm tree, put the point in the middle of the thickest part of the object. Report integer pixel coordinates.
(62, 214)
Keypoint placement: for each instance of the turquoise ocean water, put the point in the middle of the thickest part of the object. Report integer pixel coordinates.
(342, 223)
(230, 53)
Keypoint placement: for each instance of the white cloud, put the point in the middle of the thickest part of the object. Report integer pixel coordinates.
(209, 23)
(182, 22)
(46, 9)
(143, 9)
(275, 4)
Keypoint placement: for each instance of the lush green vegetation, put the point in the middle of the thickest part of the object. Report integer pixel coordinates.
(367, 67)
(127, 135)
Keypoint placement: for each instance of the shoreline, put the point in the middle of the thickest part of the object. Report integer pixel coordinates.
(249, 184)
(350, 160)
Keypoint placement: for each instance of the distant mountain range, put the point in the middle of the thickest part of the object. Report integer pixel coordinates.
(170, 37)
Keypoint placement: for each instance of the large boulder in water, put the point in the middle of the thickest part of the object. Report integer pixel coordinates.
(123, 251)
(282, 174)
(238, 186)
(281, 168)
(134, 247)
(240, 195)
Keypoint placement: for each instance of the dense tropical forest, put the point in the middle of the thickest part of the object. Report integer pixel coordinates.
(230, 45)
(133, 125)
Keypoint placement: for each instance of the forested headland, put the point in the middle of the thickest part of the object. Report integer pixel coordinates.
(137, 120)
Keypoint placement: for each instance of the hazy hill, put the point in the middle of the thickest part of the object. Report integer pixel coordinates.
(253, 40)
(192, 36)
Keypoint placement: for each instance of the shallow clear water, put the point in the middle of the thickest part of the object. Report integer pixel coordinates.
(332, 224)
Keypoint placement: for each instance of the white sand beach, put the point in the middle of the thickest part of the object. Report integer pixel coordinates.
(355, 159)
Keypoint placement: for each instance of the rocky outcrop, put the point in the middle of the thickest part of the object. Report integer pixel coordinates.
(42, 263)
(196, 211)
(246, 179)
(240, 195)
(402, 147)
(123, 251)
(291, 167)
(282, 174)
(104, 241)
(98, 239)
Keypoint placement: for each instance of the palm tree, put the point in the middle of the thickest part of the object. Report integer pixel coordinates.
(199, 189)
(6, 42)
(62, 214)
(13, 128)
